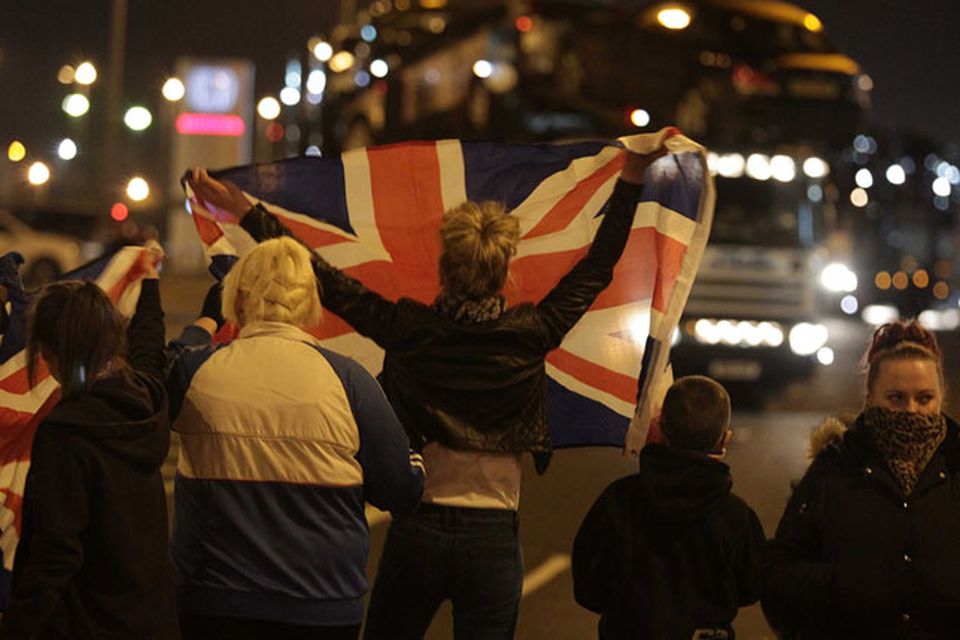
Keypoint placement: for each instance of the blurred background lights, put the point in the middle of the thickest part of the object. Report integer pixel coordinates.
(896, 174)
(16, 151)
(316, 81)
(864, 178)
(361, 78)
(342, 61)
(825, 356)
(268, 108)
(86, 73)
(38, 173)
(838, 277)
(674, 18)
(941, 187)
(758, 167)
(814, 193)
(137, 189)
(66, 74)
(482, 68)
(859, 197)
(67, 149)
(323, 51)
(849, 304)
(75, 105)
(289, 96)
(814, 167)
(119, 211)
(368, 32)
(782, 168)
(379, 68)
(639, 117)
(173, 89)
(138, 118)
(812, 23)
(731, 165)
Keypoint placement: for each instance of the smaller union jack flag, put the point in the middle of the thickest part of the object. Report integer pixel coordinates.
(23, 406)
(375, 213)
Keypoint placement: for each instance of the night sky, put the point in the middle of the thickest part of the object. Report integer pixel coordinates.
(909, 47)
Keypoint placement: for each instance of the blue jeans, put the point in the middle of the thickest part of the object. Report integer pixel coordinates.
(471, 556)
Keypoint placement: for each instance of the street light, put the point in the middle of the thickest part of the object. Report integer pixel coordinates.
(16, 151)
(38, 174)
(137, 189)
(268, 108)
(85, 74)
(76, 105)
(67, 149)
(173, 89)
(66, 74)
(137, 118)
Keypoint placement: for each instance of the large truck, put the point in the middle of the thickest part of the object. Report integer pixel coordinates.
(754, 311)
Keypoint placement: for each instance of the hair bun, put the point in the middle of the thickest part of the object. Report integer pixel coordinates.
(888, 336)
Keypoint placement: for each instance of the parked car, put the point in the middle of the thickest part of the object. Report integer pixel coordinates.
(47, 254)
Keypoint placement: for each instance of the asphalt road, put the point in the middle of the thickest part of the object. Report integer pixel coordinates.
(767, 453)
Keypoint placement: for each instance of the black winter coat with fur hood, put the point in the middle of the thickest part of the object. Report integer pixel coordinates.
(854, 558)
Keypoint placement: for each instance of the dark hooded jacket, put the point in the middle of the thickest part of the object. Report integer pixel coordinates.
(854, 558)
(92, 561)
(668, 551)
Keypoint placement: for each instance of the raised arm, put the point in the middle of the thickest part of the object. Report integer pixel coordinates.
(372, 315)
(572, 296)
(145, 333)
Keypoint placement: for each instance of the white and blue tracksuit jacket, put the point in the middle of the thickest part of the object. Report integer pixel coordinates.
(282, 442)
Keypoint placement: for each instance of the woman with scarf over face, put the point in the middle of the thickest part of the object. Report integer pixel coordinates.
(466, 376)
(869, 544)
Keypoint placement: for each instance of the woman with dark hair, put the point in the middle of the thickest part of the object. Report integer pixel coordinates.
(466, 376)
(92, 561)
(869, 545)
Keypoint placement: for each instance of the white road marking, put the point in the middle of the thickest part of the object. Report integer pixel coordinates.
(541, 575)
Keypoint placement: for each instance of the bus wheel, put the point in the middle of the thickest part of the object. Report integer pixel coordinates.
(358, 135)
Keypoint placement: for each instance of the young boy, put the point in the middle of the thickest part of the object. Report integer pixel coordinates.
(670, 552)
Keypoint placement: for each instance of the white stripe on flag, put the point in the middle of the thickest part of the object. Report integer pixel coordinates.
(669, 223)
(453, 185)
(569, 382)
(358, 188)
(31, 401)
(591, 338)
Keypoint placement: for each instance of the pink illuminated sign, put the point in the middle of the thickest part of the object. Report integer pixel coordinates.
(210, 124)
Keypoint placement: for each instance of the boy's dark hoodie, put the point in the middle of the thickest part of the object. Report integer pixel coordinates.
(669, 550)
(93, 559)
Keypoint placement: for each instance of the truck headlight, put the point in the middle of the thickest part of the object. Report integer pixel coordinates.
(806, 338)
(838, 278)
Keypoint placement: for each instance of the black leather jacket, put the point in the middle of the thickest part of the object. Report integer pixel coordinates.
(479, 386)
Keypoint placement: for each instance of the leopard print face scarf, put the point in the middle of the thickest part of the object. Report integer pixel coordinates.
(907, 441)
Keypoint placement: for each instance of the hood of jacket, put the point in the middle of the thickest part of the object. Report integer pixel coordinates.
(125, 417)
(682, 486)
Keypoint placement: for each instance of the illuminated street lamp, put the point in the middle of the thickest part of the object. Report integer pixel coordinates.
(38, 174)
(268, 108)
(674, 18)
(137, 189)
(66, 74)
(137, 118)
(173, 89)
(323, 51)
(16, 151)
(86, 73)
(76, 105)
(67, 149)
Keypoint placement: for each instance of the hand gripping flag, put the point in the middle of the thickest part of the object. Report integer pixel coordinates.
(23, 406)
(375, 213)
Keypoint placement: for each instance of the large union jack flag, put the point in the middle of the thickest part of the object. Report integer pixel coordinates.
(375, 213)
(22, 405)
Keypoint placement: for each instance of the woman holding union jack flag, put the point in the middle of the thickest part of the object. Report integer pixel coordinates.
(466, 376)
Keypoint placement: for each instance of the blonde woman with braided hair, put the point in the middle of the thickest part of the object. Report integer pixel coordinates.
(466, 376)
(869, 545)
(282, 441)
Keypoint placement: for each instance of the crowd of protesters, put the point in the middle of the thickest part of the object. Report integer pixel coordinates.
(283, 442)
